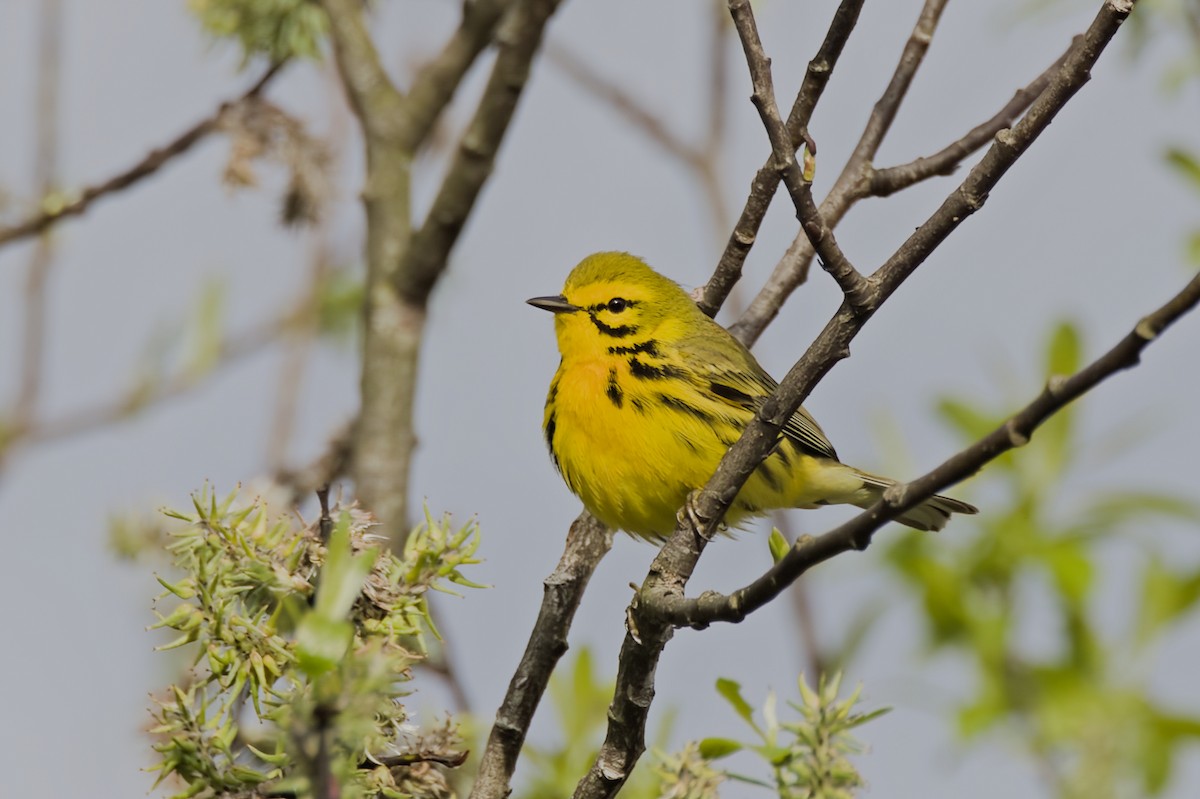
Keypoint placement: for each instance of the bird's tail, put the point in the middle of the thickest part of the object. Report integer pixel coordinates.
(932, 514)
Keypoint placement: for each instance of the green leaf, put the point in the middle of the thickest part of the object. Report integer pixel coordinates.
(717, 748)
(1112, 509)
(321, 643)
(970, 423)
(988, 709)
(1192, 248)
(1071, 569)
(1064, 352)
(206, 334)
(732, 691)
(1166, 596)
(324, 634)
(1185, 164)
(777, 544)
(1063, 356)
(343, 574)
(339, 304)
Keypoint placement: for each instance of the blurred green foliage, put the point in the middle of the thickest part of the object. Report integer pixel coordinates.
(1084, 708)
(808, 758)
(1187, 164)
(278, 29)
(1171, 26)
(302, 652)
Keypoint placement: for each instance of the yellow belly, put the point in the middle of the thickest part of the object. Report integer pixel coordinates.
(633, 453)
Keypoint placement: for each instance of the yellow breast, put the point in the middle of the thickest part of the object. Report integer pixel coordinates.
(632, 442)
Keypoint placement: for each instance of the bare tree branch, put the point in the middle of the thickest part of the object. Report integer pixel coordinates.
(636, 113)
(792, 269)
(425, 260)
(321, 472)
(856, 534)
(148, 165)
(33, 341)
(852, 187)
(376, 101)
(887, 181)
(853, 285)
(403, 266)
(148, 393)
(649, 631)
(762, 189)
(701, 160)
(587, 542)
(435, 84)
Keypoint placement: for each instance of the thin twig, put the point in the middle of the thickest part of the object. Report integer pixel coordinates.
(889, 180)
(450, 760)
(639, 115)
(324, 785)
(762, 189)
(858, 292)
(33, 341)
(148, 165)
(792, 269)
(702, 161)
(851, 187)
(1016, 431)
(649, 631)
(324, 470)
(148, 393)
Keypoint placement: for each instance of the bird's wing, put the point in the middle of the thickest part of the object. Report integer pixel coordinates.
(733, 375)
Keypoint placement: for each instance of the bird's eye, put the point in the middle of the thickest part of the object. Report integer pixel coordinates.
(616, 305)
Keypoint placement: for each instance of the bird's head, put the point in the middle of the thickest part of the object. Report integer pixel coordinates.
(613, 300)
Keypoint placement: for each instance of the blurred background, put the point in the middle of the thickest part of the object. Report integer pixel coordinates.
(179, 345)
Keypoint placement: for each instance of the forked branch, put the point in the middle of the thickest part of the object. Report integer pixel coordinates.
(856, 534)
(858, 292)
(766, 180)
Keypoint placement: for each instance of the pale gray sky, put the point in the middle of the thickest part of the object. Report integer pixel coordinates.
(1089, 225)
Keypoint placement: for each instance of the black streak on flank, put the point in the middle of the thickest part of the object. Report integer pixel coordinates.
(782, 452)
(684, 407)
(551, 425)
(614, 332)
(552, 422)
(645, 371)
(769, 476)
(648, 347)
(614, 389)
(730, 393)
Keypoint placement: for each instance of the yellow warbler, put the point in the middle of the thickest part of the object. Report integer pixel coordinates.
(649, 395)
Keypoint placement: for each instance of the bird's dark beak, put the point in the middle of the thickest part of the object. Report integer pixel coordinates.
(556, 304)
